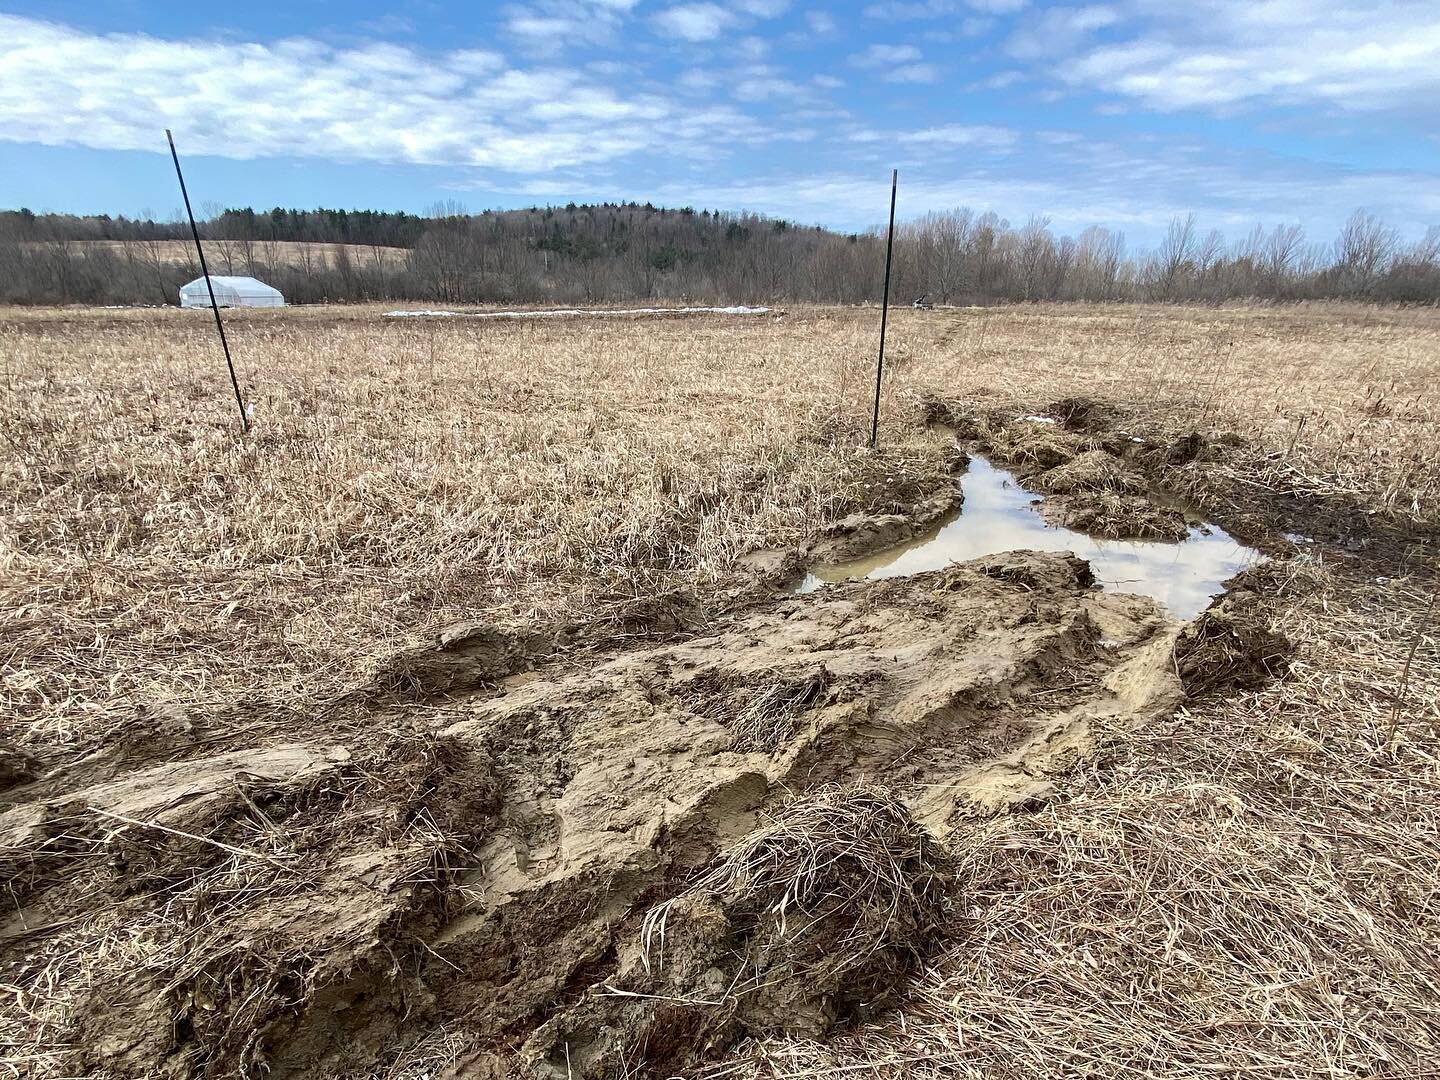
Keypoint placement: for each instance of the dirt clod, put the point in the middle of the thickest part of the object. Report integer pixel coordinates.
(859, 534)
(462, 656)
(1031, 446)
(1231, 646)
(1115, 515)
(813, 920)
(1185, 449)
(17, 766)
(1091, 471)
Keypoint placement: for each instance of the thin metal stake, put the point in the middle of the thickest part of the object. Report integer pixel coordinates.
(205, 270)
(884, 310)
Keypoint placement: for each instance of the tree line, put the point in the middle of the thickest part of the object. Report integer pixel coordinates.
(633, 252)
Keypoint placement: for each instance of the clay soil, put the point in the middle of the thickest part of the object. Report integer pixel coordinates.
(459, 720)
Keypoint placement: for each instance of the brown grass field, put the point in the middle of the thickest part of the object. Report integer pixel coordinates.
(1244, 882)
(231, 256)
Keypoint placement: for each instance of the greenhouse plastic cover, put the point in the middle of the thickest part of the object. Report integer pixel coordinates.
(230, 292)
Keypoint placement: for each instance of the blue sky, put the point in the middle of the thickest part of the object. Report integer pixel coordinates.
(1120, 114)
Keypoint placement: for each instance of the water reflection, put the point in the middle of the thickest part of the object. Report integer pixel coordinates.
(998, 516)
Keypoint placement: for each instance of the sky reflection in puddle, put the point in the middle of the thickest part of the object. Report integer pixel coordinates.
(997, 516)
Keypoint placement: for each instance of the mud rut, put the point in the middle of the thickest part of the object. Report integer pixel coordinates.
(493, 862)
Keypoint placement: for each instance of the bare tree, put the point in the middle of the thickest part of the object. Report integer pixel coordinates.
(623, 251)
(1363, 250)
(1174, 259)
(1283, 248)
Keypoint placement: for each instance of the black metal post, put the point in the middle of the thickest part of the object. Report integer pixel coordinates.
(884, 311)
(205, 270)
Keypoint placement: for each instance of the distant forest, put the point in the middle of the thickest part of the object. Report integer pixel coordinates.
(628, 252)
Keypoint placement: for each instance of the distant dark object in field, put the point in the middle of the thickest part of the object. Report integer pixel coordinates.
(921, 303)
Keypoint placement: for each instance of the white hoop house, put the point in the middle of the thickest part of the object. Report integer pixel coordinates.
(230, 292)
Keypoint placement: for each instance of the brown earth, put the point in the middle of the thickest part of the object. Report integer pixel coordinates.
(409, 877)
(489, 864)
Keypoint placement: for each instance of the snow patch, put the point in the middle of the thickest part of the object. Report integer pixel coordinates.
(1039, 419)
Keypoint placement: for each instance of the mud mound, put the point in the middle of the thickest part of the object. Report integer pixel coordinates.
(1231, 646)
(1091, 490)
(258, 908)
(1093, 470)
(17, 766)
(484, 866)
(934, 411)
(1083, 414)
(859, 534)
(1115, 516)
(1184, 449)
(1033, 446)
(462, 656)
(967, 690)
(810, 921)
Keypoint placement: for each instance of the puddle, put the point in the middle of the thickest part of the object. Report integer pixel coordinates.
(997, 516)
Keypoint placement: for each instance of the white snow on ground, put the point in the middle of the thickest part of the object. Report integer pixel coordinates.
(571, 312)
(1038, 419)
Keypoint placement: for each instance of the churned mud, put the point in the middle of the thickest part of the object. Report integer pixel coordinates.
(1184, 573)
(590, 869)
(563, 860)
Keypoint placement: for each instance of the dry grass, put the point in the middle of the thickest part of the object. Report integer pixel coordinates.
(1344, 398)
(400, 476)
(233, 256)
(848, 866)
(1249, 890)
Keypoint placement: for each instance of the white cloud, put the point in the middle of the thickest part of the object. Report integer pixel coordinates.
(983, 136)
(303, 98)
(999, 81)
(962, 135)
(1230, 53)
(913, 73)
(880, 55)
(828, 82)
(698, 81)
(762, 85)
(821, 23)
(706, 21)
(1133, 193)
(693, 22)
(763, 9)
(548, 27)
(905, 10)
(1058, 31)
(752, 48)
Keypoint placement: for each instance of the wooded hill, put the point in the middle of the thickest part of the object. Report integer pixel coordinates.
(627, 251)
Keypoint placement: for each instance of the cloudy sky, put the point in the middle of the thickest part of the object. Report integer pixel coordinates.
(1121, 114)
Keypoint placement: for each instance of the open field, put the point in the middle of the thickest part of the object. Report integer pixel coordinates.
(236, 256)
(255, 814)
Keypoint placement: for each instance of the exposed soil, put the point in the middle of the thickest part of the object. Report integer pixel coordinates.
(1102, 478)
(614, 848)
(507, 862)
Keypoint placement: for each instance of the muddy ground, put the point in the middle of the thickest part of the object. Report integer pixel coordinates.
(616, 861)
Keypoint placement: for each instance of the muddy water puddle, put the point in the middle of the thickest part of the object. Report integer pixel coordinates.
(999, 515)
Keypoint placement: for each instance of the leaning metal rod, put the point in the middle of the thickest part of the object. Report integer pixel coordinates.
(884, 310)
(205, 270)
